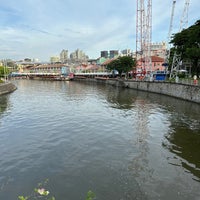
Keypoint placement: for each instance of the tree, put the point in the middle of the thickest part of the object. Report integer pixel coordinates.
(122, 64)
(3, 71)
(187, 43)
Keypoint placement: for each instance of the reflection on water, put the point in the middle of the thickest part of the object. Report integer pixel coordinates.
(184, 144)
(120, 143)
(4, 103)
(118, 98)
(140, 164)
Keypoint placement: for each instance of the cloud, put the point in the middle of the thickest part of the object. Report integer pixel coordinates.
(35, 28)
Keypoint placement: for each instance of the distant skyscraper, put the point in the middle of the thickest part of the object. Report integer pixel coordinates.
(78, 55)
(126, 52)
(114, 53)
(104, 54)
(64, 56)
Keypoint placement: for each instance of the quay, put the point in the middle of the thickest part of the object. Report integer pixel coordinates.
(183, 91)
(7, 87)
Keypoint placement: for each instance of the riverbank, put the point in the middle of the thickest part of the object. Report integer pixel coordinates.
(7, 88)
(181, 91)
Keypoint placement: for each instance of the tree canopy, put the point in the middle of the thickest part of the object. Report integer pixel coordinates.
(3, 71)
(122, 64)
(187, 43)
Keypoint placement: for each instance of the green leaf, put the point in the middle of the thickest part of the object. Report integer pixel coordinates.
(22, 198)
(90, 195)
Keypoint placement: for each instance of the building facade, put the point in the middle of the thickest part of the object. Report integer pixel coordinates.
(54, 59)
(104, 54)
(78, 55)
(64, 56)
(114, 53)
(159, 49)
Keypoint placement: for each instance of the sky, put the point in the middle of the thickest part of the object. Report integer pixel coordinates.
(43, 28)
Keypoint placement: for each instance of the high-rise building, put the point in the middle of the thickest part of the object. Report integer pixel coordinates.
(78, 55)
(114, 53)
(126, 52)
(64, 56)
(104, 54)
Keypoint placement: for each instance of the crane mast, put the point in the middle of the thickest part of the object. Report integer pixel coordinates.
(167, 53)
(177, 62)
(144, 33)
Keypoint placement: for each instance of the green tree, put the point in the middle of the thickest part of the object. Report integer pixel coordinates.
(187, 43)
(122, 64)
(3, 71)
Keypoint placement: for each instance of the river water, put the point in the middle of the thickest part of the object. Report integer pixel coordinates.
(120, 143)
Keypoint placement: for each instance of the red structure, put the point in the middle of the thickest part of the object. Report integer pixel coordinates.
(156, 64)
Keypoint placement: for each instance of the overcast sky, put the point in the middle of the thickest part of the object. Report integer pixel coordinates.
(42, 28)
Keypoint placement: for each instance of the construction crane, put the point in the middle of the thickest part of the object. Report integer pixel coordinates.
(144, 33)
(167, 52)
(177, 62)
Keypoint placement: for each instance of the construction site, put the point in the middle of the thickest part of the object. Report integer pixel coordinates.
(145, 50)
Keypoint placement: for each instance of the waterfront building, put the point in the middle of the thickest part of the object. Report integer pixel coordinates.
(101, 60)
(49, 68)
(156, 64)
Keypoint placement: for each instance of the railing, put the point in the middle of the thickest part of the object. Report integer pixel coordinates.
(92, 73)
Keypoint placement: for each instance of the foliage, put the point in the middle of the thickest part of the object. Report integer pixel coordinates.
(122, 64)
(187, 43)
(3, 71)
(40, 193)
(90, 195)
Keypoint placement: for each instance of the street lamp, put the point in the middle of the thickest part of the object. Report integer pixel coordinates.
(4, 68)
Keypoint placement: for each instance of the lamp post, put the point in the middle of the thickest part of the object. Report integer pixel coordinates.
(4, 67)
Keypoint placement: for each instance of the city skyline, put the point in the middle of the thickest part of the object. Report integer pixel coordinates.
(40, 29)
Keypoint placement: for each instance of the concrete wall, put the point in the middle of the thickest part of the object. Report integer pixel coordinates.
(182, 91)
(7, 88)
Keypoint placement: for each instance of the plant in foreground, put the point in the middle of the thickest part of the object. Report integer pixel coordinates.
(40, 193)
(90, 195)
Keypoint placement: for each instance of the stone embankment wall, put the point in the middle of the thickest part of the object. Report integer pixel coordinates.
(7, 88)
(182, 91)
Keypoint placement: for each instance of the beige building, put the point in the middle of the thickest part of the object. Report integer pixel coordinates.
(54, 59)
(158, 49)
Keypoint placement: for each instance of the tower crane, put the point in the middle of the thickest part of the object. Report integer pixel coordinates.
(144, 33)
(177, 62)
(167, 53)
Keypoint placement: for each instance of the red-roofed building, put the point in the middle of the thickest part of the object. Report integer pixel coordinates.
(156, 63)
